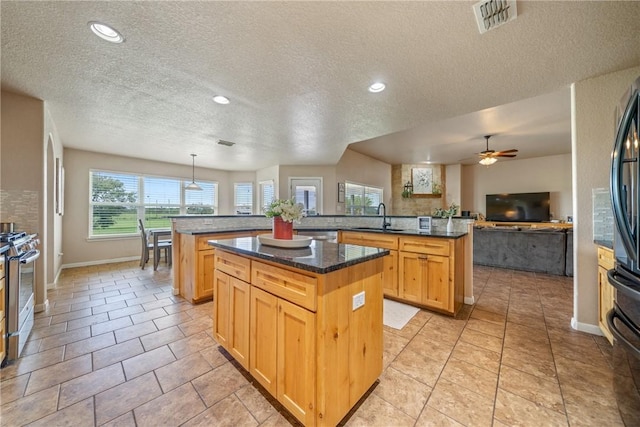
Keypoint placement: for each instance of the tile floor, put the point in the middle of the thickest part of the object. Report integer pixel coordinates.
(116, 348)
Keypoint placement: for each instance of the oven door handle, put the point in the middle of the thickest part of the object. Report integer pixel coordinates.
(30, 256)
(615, 313)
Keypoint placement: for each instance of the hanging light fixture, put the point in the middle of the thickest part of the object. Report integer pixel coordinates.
(487, 161)
(193, 185)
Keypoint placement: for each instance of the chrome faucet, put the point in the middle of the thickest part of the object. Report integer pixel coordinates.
(385, 224)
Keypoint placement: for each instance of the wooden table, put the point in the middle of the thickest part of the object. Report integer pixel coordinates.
(157, 233)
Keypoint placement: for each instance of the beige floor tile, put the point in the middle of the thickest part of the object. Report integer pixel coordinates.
(170, 409)
(219, 383)
(13, 388)
(461, 404)
(432, 418)
(215, 355)
(256, 403)
(146, 316)
(124, 420)
(111, 306)
(80, 388)
(515, 410)
(161, 302)
(418, 366)
(65, 338)
(403, 392)
(89, 345)
(49, 331)
(33, 362)
(540, 390)
(486, 326)
(480, 339)
(191, 344)
(591, 407)
(437, 351)
(175, 374)
(125, 311)
(478, 356)
(30, 408)
(148, 361)
(196, 326)
(582, 374)
(116, 353)
(172, 320)
(540, 364)
(161, 337)
(58, 373)
(111, 325)
(475, 378)
(276, 420)
(135, 331)
(80, 414)
(229, 411)
(123, 398)
(375, 412)
(65, 317)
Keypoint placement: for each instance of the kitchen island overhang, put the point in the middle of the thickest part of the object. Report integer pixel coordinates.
(306, 324)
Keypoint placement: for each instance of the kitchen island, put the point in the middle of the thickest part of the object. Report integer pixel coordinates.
(306, 323)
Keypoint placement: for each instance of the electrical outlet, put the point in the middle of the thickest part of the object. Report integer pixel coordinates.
(358, 300)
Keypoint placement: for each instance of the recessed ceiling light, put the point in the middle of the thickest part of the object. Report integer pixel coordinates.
(221, 99)
(106, 32)
(377, 87)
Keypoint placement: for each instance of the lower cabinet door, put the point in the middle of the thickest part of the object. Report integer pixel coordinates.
(296, 377)
(221, 299)
(437, 290)
(239, 321)
(411, 276)
(206, 268)
(263, 335)
(390, 274)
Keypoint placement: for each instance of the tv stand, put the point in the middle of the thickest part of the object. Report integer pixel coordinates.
(532, 225)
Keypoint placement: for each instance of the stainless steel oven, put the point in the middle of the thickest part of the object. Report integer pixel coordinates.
(20, 287)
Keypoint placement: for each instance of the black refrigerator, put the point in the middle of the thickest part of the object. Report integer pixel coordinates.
(624, 318)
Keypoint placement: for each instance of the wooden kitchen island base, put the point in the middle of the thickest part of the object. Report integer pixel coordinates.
(296, 331)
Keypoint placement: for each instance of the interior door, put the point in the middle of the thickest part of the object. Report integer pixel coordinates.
(307, 191)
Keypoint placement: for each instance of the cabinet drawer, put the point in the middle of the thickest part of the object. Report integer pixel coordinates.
(202, 240)
(294, 287)
(425, 245)
(605, 257)
(376, 240)
(233, 265)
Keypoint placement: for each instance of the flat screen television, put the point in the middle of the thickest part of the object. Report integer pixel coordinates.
(518, 207)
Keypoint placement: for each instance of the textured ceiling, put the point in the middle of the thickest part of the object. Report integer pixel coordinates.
(297, 76)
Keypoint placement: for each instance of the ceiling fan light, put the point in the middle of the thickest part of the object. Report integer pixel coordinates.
(487, 161)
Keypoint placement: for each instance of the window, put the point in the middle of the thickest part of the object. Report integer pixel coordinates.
(243, 196)
(362, 200)
(118, 200)
(307, 191)
(267, 194)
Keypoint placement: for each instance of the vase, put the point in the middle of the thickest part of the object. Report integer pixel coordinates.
(282, 229)
(450, 225)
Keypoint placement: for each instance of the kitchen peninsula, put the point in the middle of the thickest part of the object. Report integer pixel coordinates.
(306, 322)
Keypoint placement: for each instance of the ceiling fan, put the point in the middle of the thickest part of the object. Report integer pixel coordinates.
(489, 157)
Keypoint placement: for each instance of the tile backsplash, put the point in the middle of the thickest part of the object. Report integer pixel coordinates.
(602, 215)
(21, 207)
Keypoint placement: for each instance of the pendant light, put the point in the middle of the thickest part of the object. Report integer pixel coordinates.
(193, 185)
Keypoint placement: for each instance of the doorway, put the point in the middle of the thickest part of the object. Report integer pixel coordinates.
(307, 191)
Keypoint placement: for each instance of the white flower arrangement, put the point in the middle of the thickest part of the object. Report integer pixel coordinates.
(287, 209)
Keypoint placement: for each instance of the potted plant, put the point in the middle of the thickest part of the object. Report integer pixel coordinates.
(284, 212)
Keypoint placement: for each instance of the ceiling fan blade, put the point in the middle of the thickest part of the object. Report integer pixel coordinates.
(504, 155)
(513, 150)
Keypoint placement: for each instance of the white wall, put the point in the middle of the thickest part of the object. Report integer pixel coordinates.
(593, 104)
(551, 173)
(77, 247)
(453, 182)
(360, 169)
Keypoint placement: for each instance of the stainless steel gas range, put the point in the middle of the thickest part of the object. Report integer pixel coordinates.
(20, 286)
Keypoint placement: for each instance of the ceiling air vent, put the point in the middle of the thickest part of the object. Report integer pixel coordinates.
(491, 14)
(227, 143)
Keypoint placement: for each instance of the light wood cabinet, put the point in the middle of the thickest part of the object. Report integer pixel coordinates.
(307, 346)
(606, 292)
(231, 316)
(420, 270)
(3, 332)
(194, 263)
(378, 240)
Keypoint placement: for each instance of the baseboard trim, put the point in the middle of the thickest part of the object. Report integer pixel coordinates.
(586, 327)
(469, 300)
(176, 291)
(99, 262)
(41, 307)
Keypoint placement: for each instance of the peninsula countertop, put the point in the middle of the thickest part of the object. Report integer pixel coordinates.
(407, 232)
(320, 257)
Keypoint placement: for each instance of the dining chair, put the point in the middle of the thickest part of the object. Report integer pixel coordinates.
(148, 246)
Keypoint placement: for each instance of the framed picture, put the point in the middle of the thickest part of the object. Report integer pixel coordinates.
(422, 180)
(341, 192)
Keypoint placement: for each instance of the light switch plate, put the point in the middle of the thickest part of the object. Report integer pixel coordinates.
(358, 300)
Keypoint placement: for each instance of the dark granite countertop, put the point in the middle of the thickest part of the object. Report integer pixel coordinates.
(320, 257)
(454, 235)
(604, 243)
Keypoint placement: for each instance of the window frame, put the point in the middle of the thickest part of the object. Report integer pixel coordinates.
(365, 190)
(235, 197)
(140, 205)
